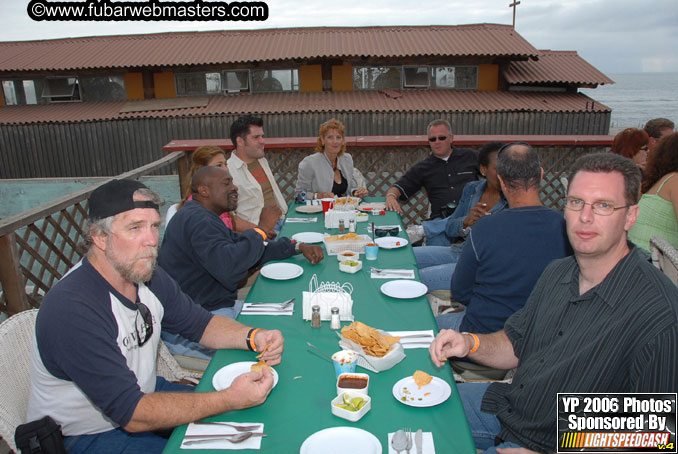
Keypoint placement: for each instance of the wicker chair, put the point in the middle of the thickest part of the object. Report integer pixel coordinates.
(665, 257)
(16, 336)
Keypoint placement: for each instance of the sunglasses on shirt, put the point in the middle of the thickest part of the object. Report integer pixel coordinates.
(143, 327)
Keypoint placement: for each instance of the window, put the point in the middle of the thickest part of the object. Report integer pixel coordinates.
(103, 88)
(235, 81)
(61, 89)
(19, 92)
(198, 84)
(415, 77)
(267, 80)
(376, 78)
(457, 77)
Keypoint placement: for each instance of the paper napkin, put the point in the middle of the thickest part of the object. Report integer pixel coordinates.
(198, 429)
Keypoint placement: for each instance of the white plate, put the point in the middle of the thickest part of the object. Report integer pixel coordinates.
(438, 392)
(391, 242)
(309, 209)
(308, 237)
(403, 289)
(282, 271)
(225, 376)
(340, 440)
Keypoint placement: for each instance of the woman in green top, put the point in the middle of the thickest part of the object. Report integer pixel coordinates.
(658, 213)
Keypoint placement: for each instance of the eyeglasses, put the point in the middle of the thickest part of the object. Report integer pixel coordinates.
(645, 148)
(600, 208)
(393, 231)
(440, 138)
(143, 327)
(504, 147)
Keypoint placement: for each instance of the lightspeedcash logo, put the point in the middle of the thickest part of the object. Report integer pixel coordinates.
(149, 10)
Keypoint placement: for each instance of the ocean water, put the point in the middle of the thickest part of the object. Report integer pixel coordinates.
(637, 98)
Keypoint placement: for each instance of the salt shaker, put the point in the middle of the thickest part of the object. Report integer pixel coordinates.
(315, 316)
(335, 323)
(342, 229)
(351, 226)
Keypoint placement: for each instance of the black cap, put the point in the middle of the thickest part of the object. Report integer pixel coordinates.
(116, 197)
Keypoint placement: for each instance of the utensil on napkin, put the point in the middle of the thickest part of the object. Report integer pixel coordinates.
(391, 273)
(414, 339)
(292, 220)
(212, 436)
(427, 444)
(284, 308)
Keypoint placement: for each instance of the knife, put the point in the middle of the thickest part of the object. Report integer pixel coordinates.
(418, 440)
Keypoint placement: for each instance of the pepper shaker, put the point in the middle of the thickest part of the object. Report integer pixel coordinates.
(315, 316)
(335, 323)
(342, 228)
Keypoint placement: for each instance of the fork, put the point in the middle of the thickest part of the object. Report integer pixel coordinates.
(408, 433)
(284, 305)
(231, 438)
(237, 427)
(392, 271)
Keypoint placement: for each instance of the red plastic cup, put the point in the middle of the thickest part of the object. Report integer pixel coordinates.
(327, 204)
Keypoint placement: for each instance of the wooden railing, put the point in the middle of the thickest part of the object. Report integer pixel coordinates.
(39, 245)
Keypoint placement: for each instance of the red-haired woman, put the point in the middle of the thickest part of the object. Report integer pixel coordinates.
(634, 144)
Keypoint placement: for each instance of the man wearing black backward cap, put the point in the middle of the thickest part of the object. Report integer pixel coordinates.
(98, 329)
(208, 259)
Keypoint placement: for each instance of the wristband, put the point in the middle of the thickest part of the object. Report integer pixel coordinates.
(250, 339)
(476, 343)
(391, 194)
(260, 232)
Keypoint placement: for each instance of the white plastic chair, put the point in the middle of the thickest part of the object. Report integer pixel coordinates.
(665, 257)
(16, 336)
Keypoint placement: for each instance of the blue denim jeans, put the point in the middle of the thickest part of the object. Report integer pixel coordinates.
(436, 265)
(450, 321)
(179, 345)
(484, 426)
(119, 441)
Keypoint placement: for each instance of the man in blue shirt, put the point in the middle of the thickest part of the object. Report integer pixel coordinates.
(207, 259)
(505, 253)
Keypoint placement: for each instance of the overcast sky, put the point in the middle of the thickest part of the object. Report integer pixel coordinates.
(616, 36)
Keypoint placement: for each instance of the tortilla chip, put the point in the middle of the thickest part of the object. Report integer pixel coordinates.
(372, 341)
(421, 378)
(258, 367)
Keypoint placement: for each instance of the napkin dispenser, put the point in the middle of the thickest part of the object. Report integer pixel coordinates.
(333, 216)
(328, 295)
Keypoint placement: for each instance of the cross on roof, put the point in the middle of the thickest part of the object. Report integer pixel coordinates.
(514, 5)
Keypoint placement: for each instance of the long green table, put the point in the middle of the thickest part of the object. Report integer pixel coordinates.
(300, 403)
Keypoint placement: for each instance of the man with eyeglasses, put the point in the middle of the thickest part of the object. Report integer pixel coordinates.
(605, 320)
(97, 333)
(443, 174)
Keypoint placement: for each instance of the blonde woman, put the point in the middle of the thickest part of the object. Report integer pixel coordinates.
(329, 171)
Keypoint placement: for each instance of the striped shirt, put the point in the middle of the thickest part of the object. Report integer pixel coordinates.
(620, 336)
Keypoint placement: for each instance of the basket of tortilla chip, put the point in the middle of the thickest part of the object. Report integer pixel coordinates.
(346, 203)
(378, 351)
(335, 244)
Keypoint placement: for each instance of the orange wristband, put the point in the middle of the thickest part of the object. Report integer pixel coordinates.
(260, 232)
(476, 343)
(250, 339)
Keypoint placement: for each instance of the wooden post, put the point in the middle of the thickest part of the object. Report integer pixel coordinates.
(182, 169)
(10, 275)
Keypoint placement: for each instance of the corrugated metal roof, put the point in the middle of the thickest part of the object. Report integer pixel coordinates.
(357, 101)
(555, 67)
(241, 46)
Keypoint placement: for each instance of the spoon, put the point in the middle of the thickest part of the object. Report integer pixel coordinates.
(324, 354)
(232, 438)
(399, 441)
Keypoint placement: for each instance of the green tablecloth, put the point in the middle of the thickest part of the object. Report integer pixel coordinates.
(300, 404)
